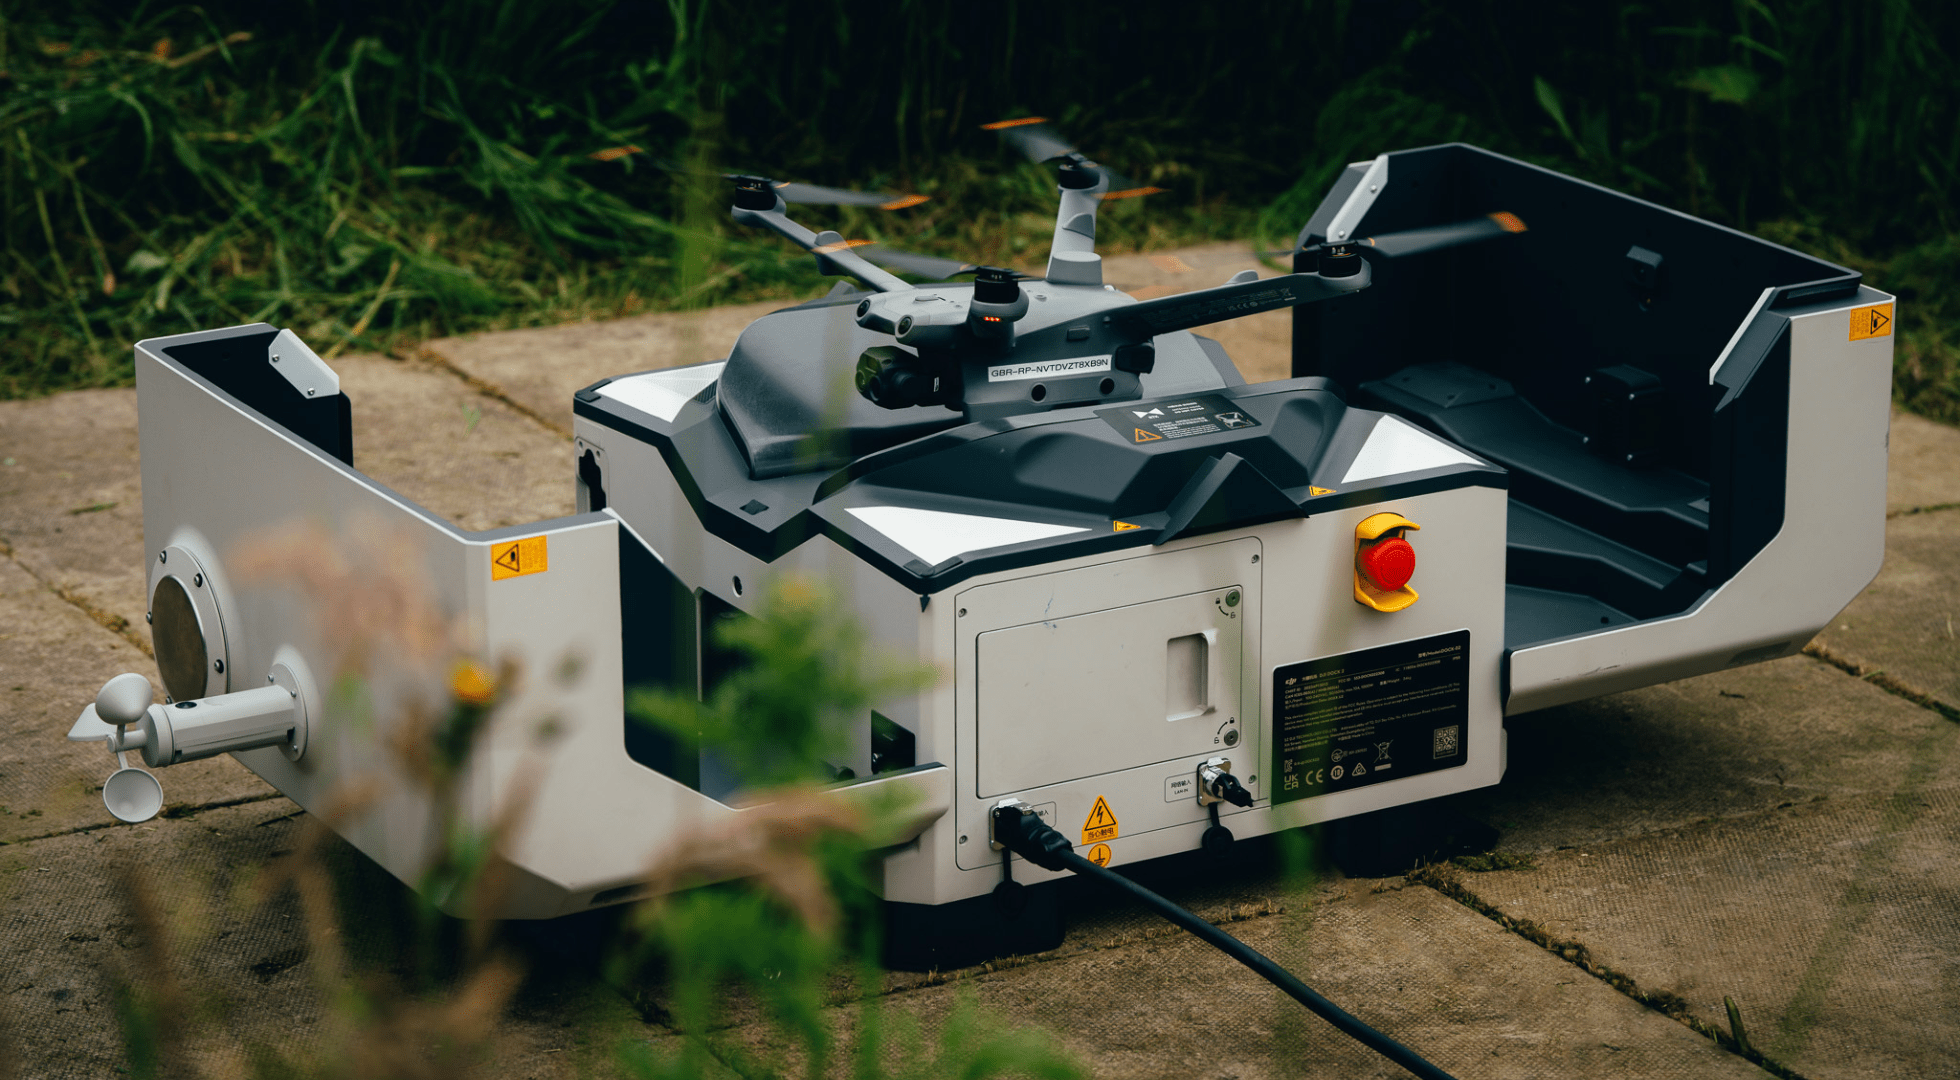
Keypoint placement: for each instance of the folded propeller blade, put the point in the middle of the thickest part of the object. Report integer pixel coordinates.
(1418, 241)
(925, 266)
(1032, 137)
(814, 195)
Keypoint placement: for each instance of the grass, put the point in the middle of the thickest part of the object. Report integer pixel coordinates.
(375, 175)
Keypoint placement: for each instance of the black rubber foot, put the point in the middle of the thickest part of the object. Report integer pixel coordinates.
(925, 937)
(1217, 842)
(1011, 900)
(1401, 838)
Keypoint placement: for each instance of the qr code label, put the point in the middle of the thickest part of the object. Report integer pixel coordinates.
(1444, 742)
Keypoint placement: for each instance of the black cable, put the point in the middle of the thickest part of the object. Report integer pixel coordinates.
(1043, 846)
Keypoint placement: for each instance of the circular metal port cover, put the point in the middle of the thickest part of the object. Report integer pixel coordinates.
(186, 627)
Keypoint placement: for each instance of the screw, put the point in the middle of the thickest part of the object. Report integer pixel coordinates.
(197, 581)
(962, 839)
(163, 556)
(1255, 560)
(218, 666)
(275, 358)
(962, 613)
(149, 618)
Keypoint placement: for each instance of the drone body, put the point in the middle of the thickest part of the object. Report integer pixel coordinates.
(1170, 607)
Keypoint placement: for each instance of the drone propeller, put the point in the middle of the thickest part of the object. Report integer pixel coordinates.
(1039, 143)
(813, 195)
(1422, 241)
(1419, 241)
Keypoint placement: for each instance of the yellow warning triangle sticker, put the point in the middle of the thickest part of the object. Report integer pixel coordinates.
(1101, 824)
(1871, 322)
(1312, 490)
(1122, 526)
(517, 558)
(1147, 436)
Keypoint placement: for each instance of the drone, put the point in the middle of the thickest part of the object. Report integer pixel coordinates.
(1514, 466)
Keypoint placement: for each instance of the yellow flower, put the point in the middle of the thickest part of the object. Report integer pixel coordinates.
(472, 683)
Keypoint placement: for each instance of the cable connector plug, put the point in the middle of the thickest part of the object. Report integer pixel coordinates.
(1217, 784)
(1021, 831)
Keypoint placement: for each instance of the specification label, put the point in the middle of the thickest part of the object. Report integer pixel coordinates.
(1157, 421)
(1372, 716)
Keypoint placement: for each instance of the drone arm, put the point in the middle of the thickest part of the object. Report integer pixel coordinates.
(1187, 310)
(1075, 219)
(831, 254)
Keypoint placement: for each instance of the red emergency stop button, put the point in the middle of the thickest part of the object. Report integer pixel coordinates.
(1388, 564)
(1384, 561)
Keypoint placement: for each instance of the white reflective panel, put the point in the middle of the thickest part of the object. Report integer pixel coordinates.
(1398, 447)
(935, 535)
(662, 393)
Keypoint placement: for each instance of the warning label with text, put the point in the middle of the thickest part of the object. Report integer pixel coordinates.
(1871, 322)
(1372, 716)
(515, 558)
(1101, 823)
(1157, 421)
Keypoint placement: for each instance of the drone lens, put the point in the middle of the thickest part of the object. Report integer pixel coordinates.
(905, 325)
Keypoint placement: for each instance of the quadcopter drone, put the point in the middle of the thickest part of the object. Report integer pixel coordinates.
(1542, 442)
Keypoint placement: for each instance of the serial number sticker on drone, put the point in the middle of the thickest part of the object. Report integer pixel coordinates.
(1871, 322)
(1101, 824)
(1371, 716)
(1159, 420)
(516, 558)
(1049, 369)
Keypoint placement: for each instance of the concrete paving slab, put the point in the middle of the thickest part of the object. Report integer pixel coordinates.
(468, 457)
(53, 659)
(71, 503)
(540, 369)
(1905, 628)
(1924, 460)
(1834, 925)
(66, 929)
(1732, 743)
(71, 500)
(1477, 1001)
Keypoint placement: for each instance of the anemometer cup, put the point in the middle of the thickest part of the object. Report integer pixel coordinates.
(132, 795)
(272, 715)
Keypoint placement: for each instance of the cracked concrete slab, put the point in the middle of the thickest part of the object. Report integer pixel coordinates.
(53, 659)
(1796, 760)
(1835, 925)
(468, 457)
(71, 502)
(541, 368)
(1906, 625)
(71, 499)
(1449, 983)
(243, 957)
(1732, 743)
(1924, 464)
